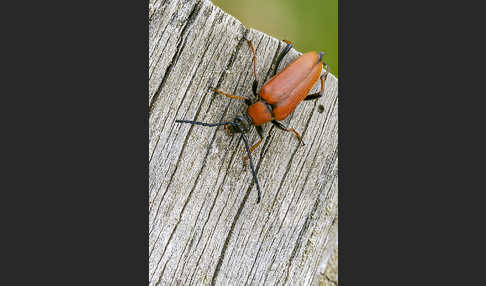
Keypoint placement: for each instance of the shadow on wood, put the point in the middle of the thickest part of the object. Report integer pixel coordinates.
(204, 224)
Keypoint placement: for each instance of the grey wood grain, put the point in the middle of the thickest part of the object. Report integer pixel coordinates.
(204, 224)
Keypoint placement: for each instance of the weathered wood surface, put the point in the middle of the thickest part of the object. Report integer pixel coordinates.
(204, 224)
(330, 273)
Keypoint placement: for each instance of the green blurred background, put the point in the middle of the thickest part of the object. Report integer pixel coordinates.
(308, 24)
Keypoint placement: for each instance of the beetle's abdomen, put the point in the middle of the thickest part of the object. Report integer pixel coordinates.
(289, 87)
(259, 113)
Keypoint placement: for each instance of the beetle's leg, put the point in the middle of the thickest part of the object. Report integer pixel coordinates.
(228, 95)
(282, 127)
(255, 81)
(320, 93)
(247, 101)
(282, 54)
(260, 133)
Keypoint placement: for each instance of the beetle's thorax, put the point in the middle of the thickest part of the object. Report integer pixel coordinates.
(260, 112)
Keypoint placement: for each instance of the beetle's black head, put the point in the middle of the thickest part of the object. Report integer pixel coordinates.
(241, 124)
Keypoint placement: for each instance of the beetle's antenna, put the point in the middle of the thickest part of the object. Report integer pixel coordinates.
(251, 165)
(204, 123)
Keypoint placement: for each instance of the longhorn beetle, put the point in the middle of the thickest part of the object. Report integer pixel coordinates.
(278, 97)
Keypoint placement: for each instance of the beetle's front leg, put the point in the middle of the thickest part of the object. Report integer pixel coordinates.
(247, 100)
(260, 133)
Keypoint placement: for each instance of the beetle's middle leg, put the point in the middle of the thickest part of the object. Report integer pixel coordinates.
(282, 127)
(260, 133)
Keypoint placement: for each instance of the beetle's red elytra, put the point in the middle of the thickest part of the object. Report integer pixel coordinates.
(277, 99)
(286, 90)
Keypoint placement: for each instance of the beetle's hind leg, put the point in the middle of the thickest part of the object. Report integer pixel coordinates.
(282, 127)
(321, 92)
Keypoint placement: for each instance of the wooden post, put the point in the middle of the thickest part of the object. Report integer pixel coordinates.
(205, 227)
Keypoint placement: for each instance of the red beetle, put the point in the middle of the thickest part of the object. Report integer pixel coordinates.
(277, 98)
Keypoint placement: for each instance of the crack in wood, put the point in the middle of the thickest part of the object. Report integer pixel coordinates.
(194, 13)
(185, 142)
(208, 216)
(185, 92)
(228, 237)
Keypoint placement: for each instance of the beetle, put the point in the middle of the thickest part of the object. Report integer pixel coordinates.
(276, 100)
